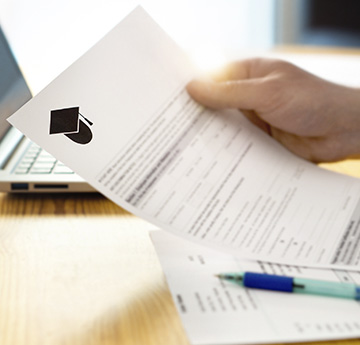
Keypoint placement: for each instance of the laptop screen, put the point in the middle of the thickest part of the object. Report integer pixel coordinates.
(13, 89)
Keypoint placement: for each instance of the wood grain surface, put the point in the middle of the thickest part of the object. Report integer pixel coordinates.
(77, 269)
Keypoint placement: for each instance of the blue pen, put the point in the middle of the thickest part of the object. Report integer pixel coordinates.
(290, 284)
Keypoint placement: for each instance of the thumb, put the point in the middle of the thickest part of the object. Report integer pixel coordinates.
(241, 94)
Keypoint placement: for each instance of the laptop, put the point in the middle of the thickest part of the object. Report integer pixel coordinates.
(24, 166)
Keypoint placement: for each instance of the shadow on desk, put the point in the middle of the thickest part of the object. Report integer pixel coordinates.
(147, 318)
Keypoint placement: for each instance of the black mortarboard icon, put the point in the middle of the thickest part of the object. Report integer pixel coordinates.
(64, 120)
(71, 123)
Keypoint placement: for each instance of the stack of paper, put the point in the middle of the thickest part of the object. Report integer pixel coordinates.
(218, 312)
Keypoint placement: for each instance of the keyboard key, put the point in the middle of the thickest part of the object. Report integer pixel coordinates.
(42, 164)
(21, 171)
(40, 171)
(38, 161)
(25, 165)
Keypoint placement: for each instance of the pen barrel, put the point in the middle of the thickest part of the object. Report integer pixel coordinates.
(326, 288)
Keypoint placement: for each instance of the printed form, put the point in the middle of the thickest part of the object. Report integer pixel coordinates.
(208, 176)
(219, 312)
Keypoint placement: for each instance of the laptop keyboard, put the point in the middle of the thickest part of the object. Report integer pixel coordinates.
(37, 161)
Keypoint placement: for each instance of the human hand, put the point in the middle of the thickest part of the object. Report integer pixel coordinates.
(316, 119)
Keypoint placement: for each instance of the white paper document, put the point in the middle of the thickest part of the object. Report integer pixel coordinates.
(121, 118)
(220, 312)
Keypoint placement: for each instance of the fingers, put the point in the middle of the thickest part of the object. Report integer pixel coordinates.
(252, 117)
(237, 70)
(314, 149)
(241, 94)
(295, 144)
(240, 84)
(249, 69)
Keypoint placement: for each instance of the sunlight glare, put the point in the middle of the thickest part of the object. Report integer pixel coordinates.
(207, 59)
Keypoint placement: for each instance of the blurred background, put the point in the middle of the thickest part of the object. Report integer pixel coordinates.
(48, 35)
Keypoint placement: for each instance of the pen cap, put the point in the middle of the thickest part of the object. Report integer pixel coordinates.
(326, 288)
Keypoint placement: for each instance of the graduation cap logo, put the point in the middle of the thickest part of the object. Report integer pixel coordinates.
(72, 124)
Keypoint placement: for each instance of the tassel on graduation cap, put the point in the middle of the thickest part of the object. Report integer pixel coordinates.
(71, 123)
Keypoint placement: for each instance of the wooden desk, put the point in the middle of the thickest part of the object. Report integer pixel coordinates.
(78, 270)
